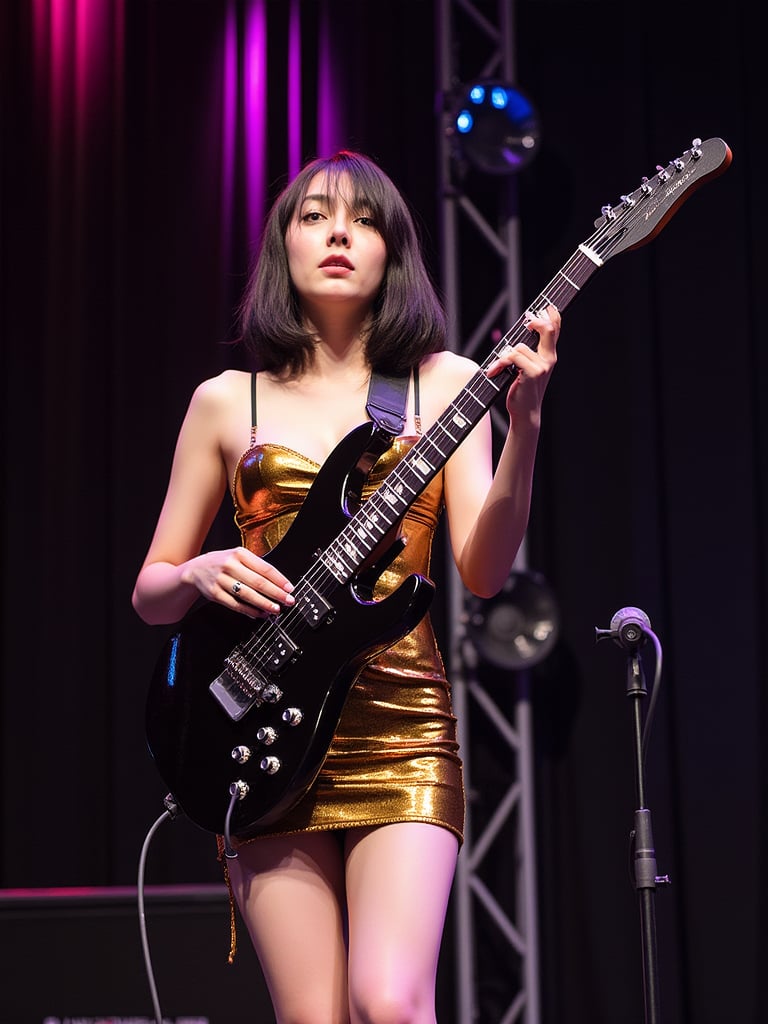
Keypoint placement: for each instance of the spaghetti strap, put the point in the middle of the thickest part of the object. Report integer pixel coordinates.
(253, 408)
(416, 400)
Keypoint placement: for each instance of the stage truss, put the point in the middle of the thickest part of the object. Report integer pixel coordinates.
(495, 892)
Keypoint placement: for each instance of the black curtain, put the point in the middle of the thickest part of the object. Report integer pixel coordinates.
(121, 270)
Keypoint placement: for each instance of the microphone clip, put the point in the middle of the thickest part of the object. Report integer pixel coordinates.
(629, 629)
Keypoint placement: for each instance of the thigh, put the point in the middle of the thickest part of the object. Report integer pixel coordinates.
(290, 892)
(399, 880)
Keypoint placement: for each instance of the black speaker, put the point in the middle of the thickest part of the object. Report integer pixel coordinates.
(75, 956)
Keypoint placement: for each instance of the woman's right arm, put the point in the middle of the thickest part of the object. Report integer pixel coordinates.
(175, 573)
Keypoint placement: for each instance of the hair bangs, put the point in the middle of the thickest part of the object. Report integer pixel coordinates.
(357, 182)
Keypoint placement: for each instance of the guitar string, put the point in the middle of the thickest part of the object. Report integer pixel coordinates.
(561, 290)
(319, 572)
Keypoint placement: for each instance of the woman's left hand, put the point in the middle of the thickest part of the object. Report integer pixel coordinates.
(534, 366)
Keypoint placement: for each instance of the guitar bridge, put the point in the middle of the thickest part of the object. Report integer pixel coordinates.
(241, 687)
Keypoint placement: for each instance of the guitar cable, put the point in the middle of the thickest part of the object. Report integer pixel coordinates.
(235, 792)
(172, 810)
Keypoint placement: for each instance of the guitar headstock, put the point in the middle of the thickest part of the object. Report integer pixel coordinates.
(642, 214)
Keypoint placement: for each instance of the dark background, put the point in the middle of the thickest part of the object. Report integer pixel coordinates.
(120, 274)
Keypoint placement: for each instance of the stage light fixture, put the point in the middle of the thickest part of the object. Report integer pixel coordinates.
(519, 627)
(496, 127)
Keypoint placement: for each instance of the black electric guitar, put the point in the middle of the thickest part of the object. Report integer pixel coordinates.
(240, 716)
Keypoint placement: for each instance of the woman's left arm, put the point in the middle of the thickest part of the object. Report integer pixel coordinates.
(488, 511)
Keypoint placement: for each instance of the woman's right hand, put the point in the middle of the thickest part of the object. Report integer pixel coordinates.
(239, 580)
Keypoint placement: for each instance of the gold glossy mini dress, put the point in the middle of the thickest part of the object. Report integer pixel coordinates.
(394, 756)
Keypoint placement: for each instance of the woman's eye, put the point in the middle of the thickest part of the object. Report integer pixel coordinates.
(367, 222)
(312, 217)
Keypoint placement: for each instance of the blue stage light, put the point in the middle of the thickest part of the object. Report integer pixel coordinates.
(498, 127)
(499, 97)
(464, 122)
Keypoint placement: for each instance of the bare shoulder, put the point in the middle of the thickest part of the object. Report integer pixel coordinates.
(221, 390)
(449, 369)
(220, 412)
(441, 378)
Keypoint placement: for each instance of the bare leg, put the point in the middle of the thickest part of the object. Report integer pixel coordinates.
(290, 891)
(399, 880)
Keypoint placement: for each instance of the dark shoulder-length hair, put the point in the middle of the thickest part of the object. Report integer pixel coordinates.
(408, 319)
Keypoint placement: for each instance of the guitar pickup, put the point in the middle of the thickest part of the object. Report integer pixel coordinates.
(281, 652)
(313, 608)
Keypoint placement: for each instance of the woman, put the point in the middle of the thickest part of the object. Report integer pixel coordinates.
(345, 896)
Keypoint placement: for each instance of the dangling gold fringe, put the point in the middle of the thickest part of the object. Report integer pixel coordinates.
(232, 917)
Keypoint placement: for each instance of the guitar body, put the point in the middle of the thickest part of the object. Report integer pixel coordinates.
(192, 737)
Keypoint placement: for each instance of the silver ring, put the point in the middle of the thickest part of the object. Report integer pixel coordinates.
(237, 586)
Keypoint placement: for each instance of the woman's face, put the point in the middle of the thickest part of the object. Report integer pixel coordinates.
(334, 256)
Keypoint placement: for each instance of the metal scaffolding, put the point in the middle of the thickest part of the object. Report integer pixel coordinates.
(495, 892)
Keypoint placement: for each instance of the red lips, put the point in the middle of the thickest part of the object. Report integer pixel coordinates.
(337, 261)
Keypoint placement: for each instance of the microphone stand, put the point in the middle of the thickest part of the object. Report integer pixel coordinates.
(631, 634)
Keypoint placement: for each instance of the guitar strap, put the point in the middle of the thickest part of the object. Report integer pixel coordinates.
(387, 401)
